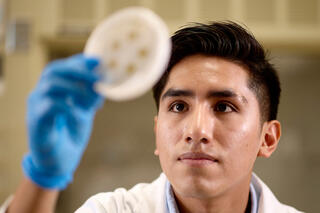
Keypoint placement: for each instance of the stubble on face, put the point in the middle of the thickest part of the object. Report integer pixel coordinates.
(225, 126)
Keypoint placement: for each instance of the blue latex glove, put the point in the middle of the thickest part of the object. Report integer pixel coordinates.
(60, 114)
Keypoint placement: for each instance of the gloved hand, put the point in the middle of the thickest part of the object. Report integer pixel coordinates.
(60, 114)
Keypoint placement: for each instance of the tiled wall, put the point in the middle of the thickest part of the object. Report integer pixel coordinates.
(260, 14)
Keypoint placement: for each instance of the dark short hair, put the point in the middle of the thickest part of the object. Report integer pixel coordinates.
(232, 42)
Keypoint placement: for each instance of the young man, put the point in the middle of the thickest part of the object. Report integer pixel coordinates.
(217, 106)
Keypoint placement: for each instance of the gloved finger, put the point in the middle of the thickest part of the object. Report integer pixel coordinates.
(42, 120)
(77, 67)
(40, 104)
(67, 124)
(57, 85)
(79, 92)
(78, 62)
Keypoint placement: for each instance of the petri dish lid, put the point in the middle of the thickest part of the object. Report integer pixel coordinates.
(134, 47)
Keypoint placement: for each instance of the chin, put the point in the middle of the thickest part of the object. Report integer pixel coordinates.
(197, 187)
(194, 191)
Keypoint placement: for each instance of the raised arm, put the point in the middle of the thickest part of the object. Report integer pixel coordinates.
(30, 197)
(60, 114)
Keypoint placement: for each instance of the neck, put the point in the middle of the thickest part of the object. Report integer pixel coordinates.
(234, 200)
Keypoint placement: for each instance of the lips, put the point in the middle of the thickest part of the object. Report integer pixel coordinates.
(197, 156)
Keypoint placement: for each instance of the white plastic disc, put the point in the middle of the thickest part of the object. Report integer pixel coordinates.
(134, 47)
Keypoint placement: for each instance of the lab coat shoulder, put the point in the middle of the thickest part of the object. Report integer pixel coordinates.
(268, 203)
(146, 198)
(141, 198)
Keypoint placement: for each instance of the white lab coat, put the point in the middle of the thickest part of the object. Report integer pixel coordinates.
(147, 198)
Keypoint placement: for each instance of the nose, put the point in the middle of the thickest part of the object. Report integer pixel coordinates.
(199, 126)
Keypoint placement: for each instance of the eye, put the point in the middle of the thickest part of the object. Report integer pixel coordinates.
(224, 107)
(178, 107)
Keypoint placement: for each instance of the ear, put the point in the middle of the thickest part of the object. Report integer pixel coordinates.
(155, 120)
(271, 133)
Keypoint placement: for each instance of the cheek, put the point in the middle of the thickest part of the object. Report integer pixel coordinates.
(242, 141)
(167, 135)
(167, 138)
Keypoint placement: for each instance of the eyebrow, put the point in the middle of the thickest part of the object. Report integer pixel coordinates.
(211, 94)
(177, 92)
(227, 94)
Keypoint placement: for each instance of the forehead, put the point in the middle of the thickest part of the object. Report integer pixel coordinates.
(202, 73)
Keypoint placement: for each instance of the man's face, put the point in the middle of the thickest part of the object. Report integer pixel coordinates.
(208, 129)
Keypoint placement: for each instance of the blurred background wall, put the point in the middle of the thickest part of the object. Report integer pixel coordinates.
(122, 143)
